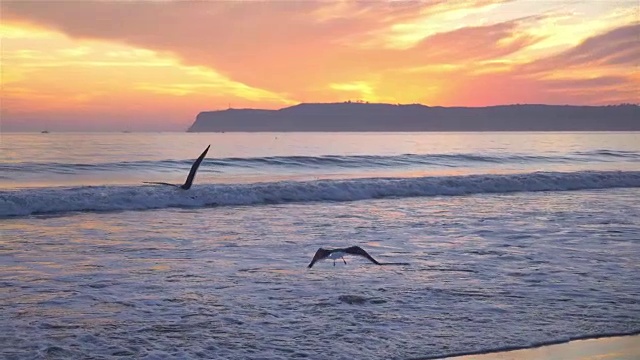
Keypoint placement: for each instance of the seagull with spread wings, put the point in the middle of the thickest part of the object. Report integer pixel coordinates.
(333, 254)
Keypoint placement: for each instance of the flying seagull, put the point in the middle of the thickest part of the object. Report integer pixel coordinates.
(334, 254)
(192, 173)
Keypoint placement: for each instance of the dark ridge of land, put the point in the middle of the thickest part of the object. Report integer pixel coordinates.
(352, 117)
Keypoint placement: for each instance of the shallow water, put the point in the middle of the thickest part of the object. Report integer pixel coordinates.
(485, 272)
(520, 260)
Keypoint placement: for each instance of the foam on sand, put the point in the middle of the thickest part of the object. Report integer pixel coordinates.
(605, 348)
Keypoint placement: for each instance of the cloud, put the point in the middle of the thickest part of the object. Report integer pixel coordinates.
(617, 47)
(257, 43)
(475, 43)
(180, 57)
(597, 84)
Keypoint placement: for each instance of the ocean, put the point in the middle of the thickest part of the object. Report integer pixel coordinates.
(513, 240)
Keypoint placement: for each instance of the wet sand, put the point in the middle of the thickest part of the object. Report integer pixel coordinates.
(610, 348)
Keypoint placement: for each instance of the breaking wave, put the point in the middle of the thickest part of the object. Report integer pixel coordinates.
(55, 200)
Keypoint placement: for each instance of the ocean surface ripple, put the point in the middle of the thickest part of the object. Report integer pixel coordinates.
(324, 161)
(513, 240)
(486, 272)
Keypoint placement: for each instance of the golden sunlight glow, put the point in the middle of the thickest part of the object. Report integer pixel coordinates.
(109, 67)
(559, 31)
(362, 88)
(165, 61)
(444, 17)
(46, 71)
(23, 32)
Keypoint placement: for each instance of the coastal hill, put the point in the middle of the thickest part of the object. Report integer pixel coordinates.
(358, 116)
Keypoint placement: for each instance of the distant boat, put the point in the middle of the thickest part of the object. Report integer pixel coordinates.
(44, 132)
(126, 131)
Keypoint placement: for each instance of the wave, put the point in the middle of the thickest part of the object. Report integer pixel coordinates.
(609, 153)
(117, 198)
(315, 162)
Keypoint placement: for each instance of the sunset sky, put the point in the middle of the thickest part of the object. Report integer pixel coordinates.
(153, 65)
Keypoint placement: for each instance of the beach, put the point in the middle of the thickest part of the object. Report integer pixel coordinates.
(609, 348)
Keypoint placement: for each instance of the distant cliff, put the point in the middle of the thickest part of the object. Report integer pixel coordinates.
(387, 117)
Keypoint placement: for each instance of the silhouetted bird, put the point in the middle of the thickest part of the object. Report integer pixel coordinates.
(190, 177)
(323, 254)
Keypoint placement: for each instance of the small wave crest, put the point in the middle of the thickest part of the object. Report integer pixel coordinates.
(604, 153)
(116, 198)
(319, 162)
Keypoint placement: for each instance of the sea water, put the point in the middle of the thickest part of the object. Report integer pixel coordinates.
(512, 240)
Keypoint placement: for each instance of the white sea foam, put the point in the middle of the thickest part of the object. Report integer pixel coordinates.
(486, 272)
(116, 198)
(524, 262)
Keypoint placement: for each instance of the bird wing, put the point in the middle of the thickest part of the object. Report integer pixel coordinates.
(357, 250)
(194, 169)
(320, 254)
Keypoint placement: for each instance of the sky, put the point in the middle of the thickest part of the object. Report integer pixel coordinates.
(152, 65)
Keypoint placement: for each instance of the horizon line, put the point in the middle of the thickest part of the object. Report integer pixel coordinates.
(51, 132)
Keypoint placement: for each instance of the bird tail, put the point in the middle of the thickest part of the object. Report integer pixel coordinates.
(393, 263)
(160, 183)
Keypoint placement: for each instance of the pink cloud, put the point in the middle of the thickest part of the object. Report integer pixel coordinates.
(617, 47)
(299, 48)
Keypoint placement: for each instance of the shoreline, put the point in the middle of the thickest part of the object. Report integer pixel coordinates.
(621, 346)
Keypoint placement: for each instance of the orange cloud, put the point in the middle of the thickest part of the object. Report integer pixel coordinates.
(180, 57)
(618, 47)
